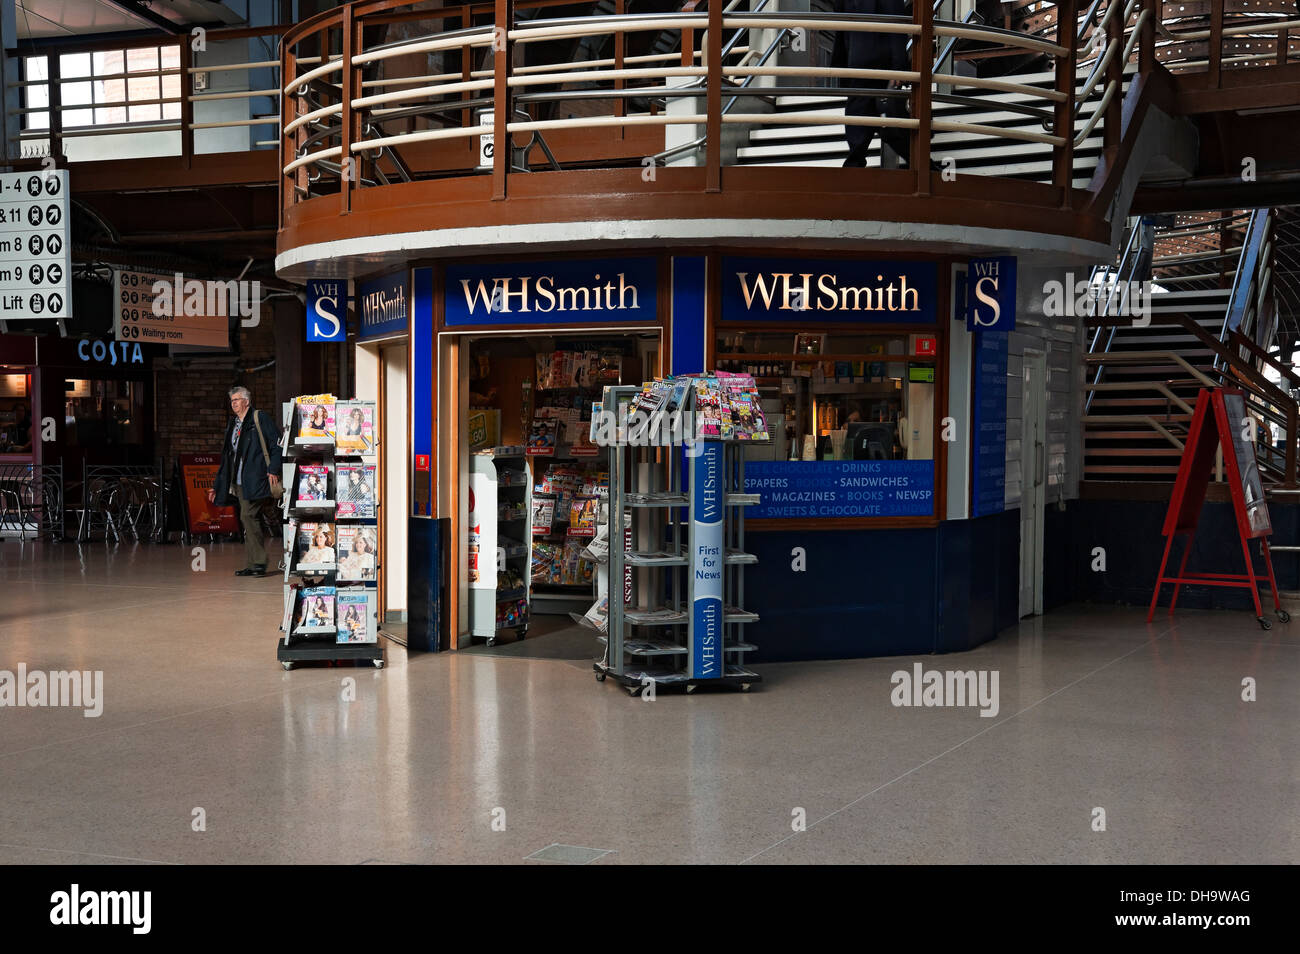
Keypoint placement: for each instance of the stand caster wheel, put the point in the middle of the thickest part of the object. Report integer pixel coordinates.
(600, 677)
(1283, 616)
(287, 665)
(690, 687)
(492, 641)
(379, 663)
(633, 690)
(1264, 623)
(744, 687)
(520, 635)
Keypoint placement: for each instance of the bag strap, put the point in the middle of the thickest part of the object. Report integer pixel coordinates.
(266, 455)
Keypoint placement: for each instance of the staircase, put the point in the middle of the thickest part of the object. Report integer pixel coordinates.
(823, 144)
(1143, 378)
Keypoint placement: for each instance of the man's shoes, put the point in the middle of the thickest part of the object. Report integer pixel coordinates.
(253, 571)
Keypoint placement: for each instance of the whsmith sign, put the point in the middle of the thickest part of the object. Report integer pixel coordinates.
(584, 291)
(837, 290)
(382, 305)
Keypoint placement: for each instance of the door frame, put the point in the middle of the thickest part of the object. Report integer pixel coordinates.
(1033, 479)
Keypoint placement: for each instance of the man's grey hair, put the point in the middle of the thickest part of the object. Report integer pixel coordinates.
(242, 392)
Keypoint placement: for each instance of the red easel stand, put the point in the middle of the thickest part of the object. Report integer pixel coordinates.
(1250, 580)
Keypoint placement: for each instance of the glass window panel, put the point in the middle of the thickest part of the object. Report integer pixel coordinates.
(140, 61)
(145, 114)
(110, 62)
(38, 121)
(146, 87)
(111, 91)
(38, 67)
(172, 111)
(78, 117)
(171, 57)
(38, 96)
(73, 65)
(111, 115)
(171, 86)
(76, 94)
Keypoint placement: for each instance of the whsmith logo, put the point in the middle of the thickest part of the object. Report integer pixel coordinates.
(383, 305)
(794, 291)
(543, 295)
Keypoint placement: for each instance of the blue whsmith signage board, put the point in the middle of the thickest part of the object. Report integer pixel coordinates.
(327, 309)
(382, 306)
(989, 424)
(829, 290)
(706, 562)
(581, 291)
(841, 488)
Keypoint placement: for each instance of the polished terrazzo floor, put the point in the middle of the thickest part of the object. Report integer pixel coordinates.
(1097, 710)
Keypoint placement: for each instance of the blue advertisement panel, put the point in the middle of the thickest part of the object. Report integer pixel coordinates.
(835, 290)
(382, 305)
(991, 298)
(706, 562)
(582, 291)
(689, 292)
(327, 309)
(989, 424)
(841, 488)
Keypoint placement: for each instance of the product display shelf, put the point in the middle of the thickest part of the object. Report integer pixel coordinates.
(319, 643)
(561, 598)
(659, 633)
(504, 546)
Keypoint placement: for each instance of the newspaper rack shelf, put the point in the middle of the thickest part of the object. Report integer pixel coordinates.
(320, 643)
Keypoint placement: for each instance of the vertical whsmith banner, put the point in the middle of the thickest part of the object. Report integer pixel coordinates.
(706, 562)
(327, 309)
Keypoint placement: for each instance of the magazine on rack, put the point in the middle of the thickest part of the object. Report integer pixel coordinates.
(357, 554)
(313, 484)
(316, 611)
(316, 545)
(356, 490)
(355, 423)
(356, 616)
(315, 416)
(290, 600)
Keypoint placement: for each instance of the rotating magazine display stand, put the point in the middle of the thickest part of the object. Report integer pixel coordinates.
(500, 547)
(681, 621)
(320, 643)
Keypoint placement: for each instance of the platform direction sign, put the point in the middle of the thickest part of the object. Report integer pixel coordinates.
(35, 245)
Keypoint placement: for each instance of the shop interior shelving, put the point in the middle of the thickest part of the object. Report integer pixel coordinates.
(319, 643)
(559, 598)
(652, 632)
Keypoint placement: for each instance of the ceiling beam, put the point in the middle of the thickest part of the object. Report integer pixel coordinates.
(142, 13)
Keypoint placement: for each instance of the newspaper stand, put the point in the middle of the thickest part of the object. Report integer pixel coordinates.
(297, 646)
(1219, 420)
(680, 565)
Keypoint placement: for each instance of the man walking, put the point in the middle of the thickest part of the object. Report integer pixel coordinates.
(249, 474)
(870, 50)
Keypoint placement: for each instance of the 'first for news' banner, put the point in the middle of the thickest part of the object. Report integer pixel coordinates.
(706, 562)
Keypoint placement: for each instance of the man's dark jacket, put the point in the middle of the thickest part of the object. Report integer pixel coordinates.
(255, 483)
(862, 50)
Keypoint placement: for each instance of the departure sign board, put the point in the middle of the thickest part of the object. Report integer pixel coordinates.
(35, 245)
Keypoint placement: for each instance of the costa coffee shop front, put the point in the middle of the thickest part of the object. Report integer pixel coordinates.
(881, 527)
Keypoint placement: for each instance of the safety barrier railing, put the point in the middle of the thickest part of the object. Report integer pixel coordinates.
(213, 91)
(438, 99)
(31, 500)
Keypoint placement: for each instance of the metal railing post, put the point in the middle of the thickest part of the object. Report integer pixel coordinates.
(1063, 126)
(347, 170)
(187, 104)
(502, 53)
(923, 63)
(1114, 74)
(1216, 42)
(713, 125)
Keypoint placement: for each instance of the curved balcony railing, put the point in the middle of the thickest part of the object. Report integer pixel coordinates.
(363, 108)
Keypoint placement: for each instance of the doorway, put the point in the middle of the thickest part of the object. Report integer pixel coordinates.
(393, 413)
(1033, 480)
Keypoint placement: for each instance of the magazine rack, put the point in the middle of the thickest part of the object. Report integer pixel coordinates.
(500, 542)
(681, 620)
(320, 643)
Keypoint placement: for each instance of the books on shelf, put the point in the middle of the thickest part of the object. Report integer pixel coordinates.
(355, 423)
(315, 416)
(357, 554)
(356, 616)
(356, 490)
(316, 609)
(313, 484)
(316, 545)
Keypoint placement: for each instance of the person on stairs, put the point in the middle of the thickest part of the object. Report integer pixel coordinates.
(872, 50)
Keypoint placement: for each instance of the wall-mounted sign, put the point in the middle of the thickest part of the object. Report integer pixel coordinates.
(991, 294)
(382, 306)
(327, 309)
(841, 488)
(35, 245)
(829, 290)
(168, 309)
(925, 346)
(989, 424)
(13, 385)
(111, 353)
(584, 291)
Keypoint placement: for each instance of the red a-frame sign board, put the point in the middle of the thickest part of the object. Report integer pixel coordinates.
(1220, 419)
